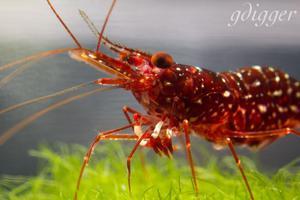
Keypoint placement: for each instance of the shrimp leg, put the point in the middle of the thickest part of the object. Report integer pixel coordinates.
(239, 165)
(107, 135)
(145, 135)
(262, 134)
(186, 129)
(254, 135)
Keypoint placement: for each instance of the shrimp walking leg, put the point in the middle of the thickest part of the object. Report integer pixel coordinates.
(186, 130)
(107, 135)
(239, 165)
(263, 134)
(128, 110)
(254, 135)
(130, 157)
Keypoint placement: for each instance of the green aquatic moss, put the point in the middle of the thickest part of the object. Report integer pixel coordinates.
(158, 178)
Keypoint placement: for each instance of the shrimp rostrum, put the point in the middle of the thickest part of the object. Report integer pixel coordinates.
(252, 106)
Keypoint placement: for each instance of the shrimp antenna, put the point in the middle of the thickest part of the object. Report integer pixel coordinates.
(104, 25)
(34, 57)
(28, 120)
(43, 98)
(64, 24)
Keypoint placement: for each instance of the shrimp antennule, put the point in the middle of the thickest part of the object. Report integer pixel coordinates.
(64, 24)
(116, 47)
(104, 25)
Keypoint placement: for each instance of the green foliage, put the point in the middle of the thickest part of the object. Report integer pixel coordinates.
(159, 178)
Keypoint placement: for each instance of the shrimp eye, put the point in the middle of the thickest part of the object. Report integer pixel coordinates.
(162, 60)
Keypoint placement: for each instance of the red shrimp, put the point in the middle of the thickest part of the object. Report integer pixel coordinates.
(251, 106)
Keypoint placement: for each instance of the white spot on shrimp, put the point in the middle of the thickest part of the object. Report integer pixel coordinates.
(223, 80)
(256, 83)
(262, 108)
(230, 106)
(290, 90)
(178, 69)
(257, 67)
(143, 142)
(214, 114)
(297, 84)
(243, 111)
(167, 83)
(277, 93)
(271, 69)
(239, 75)
(274, 114)
(168, 99)
(294, 108)
(226, 94)
(138, 130)
(199, 101)
(286, 76)
(298, 95)
(157, 129)
(277, 79)
(281, 109)
(199, 69)
(249, 96)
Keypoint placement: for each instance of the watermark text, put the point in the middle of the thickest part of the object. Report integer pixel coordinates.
(255, 15)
